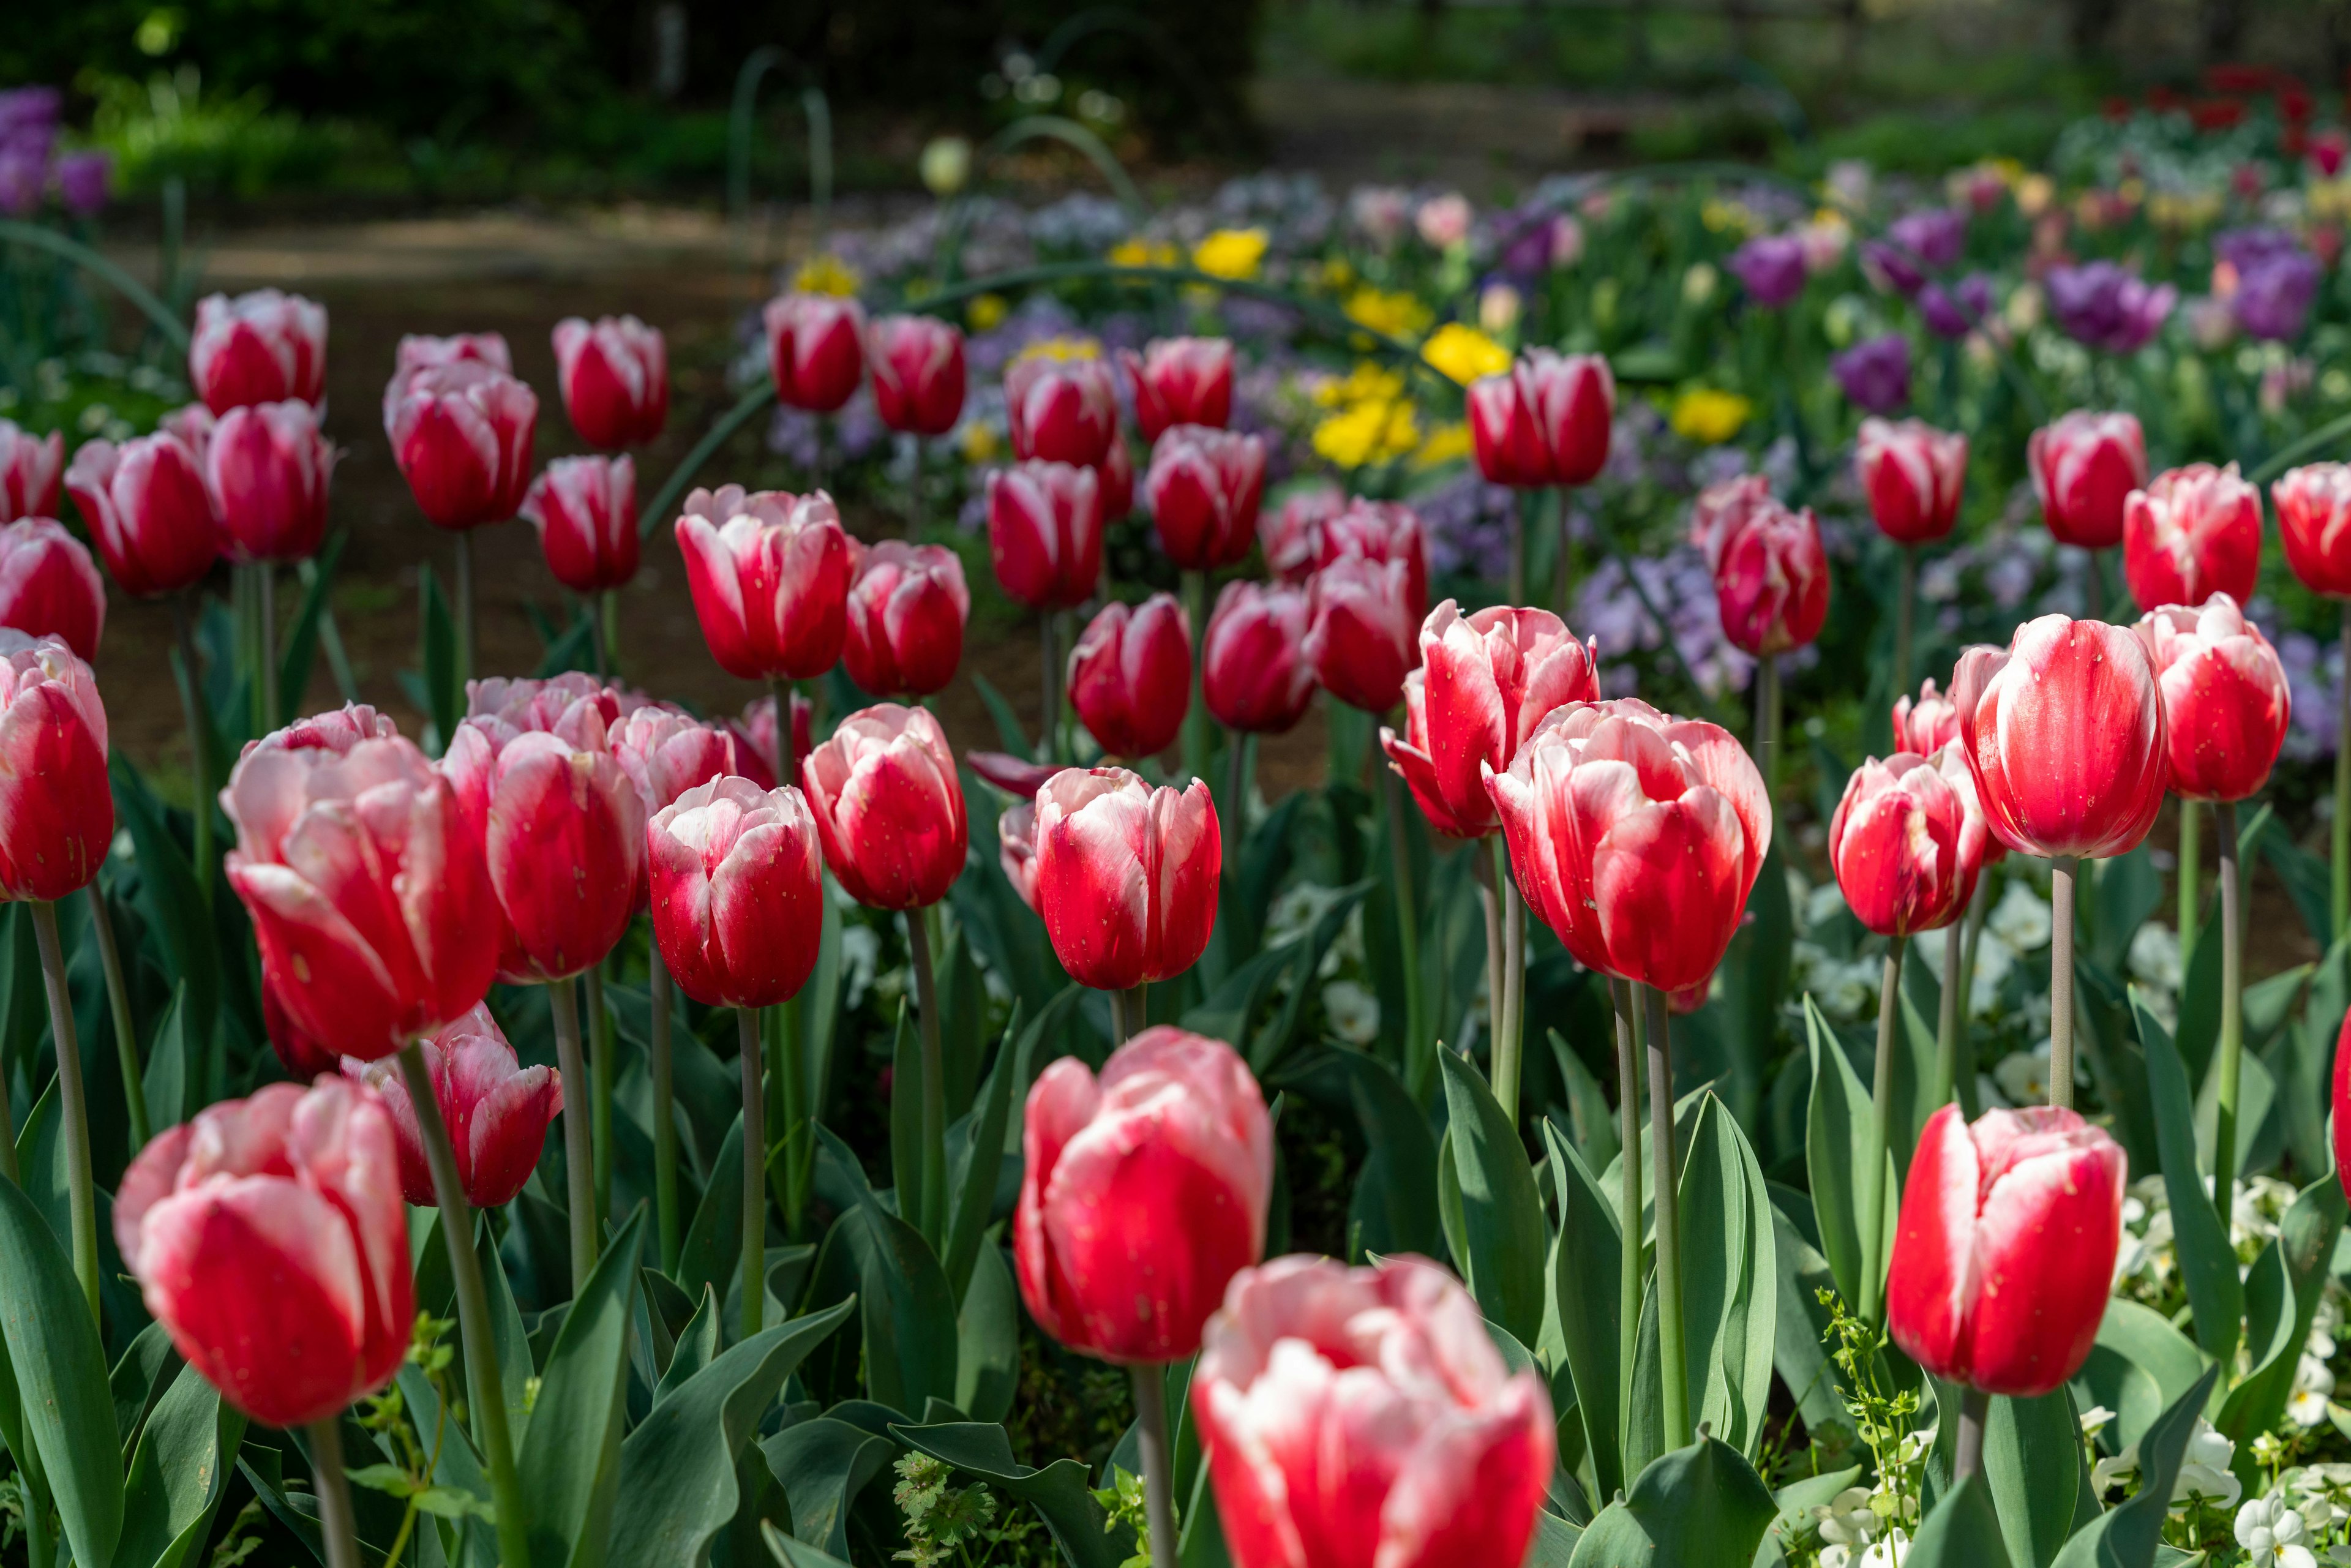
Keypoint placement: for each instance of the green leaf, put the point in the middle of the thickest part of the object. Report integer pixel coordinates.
(1231, 1009)
(444, 688)
(139, 1377)
(68, 1406)
(905, 1310)
(2126, 1536)
(1586, 1280)
(1755, 978)
(570, 1455)
(1799, 1352)
(2256, 1095)
(1729, 1306)
(173, 1065)
(2282, 1295)
(1702, 1504)
(167, 885)
(1796, 1502)
(906, 1120)
(713, 1250)
(2208, 1264)
(1273, 1042)
(1963, 1531)
(1062, 1493)
(794, 1553)
(987, 1335)
(179, 1474)
(696, 1348)
(2138, 1366)
(300, 640)
(823, 1465)
(2308, 880)
(1502, 1212)
(963, 1022)
(2032, 1467)
(1395, 1205)
(1592, 1126)
(979, 1159)
(1009, 733)
(1837, 1142)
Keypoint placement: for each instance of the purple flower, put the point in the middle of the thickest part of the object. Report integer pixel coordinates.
(2108, 306)
(23, 176)
(1916, 244)
(2276, 280)
(1772, 267)
(2245, 249)
(1528, 242)
(1875, 373)
(29, 111)
(83, 179)
(1956, 311)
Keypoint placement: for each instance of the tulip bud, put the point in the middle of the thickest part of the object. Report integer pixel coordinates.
(2191, 534)
(919, 380)
(1044, 533)
(1360, 639)
(57, 810)
(496, 1109)
(29, 465)
(666, 751)
(268, 466)
(737, 892)
(614, 377)
(1180, 381)
(755, 738)
(1061, 409)
(1773, 580)
(1253, 668)
(1126, 875)
(2313, 511)
(585, 511)
(816, 349)
(2084, 468)
(258, 348)
(148, 510)
(1130, 675)
(419, 352)
(268, 1238)
(1141, 1193)
(48, 585)
(1203, 490)
(1115, 475)
(2064, 732)
(1545, 420)
(907, 606)
(889, 807)
(769, 573)
(1722, 510)
(2225, 700)
(1893, 844)
(1291, 535)
(1926, 726)
(1366, 1410)
(461, 433)
(1380, 531)
(2004, 1255)
(1912, 476)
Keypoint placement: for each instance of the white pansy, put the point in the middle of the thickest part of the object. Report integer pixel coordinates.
(2020, 918)
(2204, 1475)
(2113, 1470)
(1353, 1012)
(2095, 1420)
(2155, 956)
(1994, 959)
(2273, 1535)
(1846, 1520)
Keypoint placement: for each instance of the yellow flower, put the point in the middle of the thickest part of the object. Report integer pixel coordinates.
(1334, 273)
(1446, 444)
(1373, 431)
(1708, 416)
(986, 311)
(1137, 251)
(1734, 217)
(1230, 253)
(979, 442)
(1464, 353)
(1369, 382)
(1062, 349)
(1398, 314)
(825, 274)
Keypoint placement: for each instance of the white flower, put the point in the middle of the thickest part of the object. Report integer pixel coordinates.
(2273, 1534)
(2110, 1472)
(1845, 1520)
(2305, 1408)
(1353, 1012)
(1886, 1554)
(2095, 1420)
(1994, 959)
(2021, 919)
(2204, 1473)
(2023, 1075)
(2155, 956)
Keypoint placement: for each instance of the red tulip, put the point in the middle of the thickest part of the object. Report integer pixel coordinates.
(666, 752)
(303, 1057)
(1722, 510)
(2313, 511)
(57, 813)
(1044, 533)
(1141, 1193)
(889, 807)
(738, 892)
(1020, 779)
(268, 1240)
(769, 573)
(1363, 1418)
(419, 352)
(1771, 581)
(1895, 845)
(560, 704)
(1926, 726)
(48, 585)
(919, 380)
(371, 901)
(2342, 1107)
(1485, 682)
(461, 433)
(1911, 475)
(496, 1109)
(1381, 531)
(1291, 534)
(1130, 675)
(2005, 1251)
(1063, 407)
(1115, 476)
(1253, 668)
(268, 466)
(2191, 533)
(2225, 700)
(585, 511)
(1636, 837)
(1361, 638)
(148, 510)
(1015, 850)
(2064, 735)
(29, 465)
(1978, 848)
(1544, 420)
(614, 376)
(1126, 875)
(1203, 490)
(258, 348)
(754, 734)
(816, 349)
(2084, 468)
(1180, 381)
(907, 606)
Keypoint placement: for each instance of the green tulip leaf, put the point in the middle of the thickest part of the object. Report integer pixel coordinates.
(906, 1315)
(987, 1336)
(2129, 1534)
(2033, 1472)
(2282, 1295)
(1586, 1278)
(1395, 1205)
(1800, 1348)
(2138, 1366)
(66, 1404)
(1837, 1142)
(1963, 1531)
(823, 1465)
(1796, 1502)
(179, 1474)
(570, 1458)
(1502, 1213)
(2208, 1264)
(1730, 1304)
(1702, 1504)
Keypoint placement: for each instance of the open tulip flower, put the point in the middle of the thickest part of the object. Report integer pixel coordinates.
(1771, 579)
(666, 751)
(889, 807)
(1895, 844)
(1253, 669)
(769, 573)
(1045, 533)
(148, 511)
(614, 376)
(461, 433)
(907, 605)
(268, 466)
(2225, 699)
(1544, 420)
(423, 351)
(919, 382)
(737, 892)
(2313, 512)
(1126, 875)
(1062, 405)
(1381, 531)
(1131, 676)
(29, 467)
(1203, 488)
(2084, 468)
(816, 349)
(257, 347)
(56, 811)
(1912, 476)
(48, 585)
(585, 510)
(1180, 381)
(496, 1109)
(1361, 634)
(1291, 534)
(2193, 532)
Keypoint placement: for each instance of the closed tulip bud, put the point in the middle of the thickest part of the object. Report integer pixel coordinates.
(148, 510)
(2064, 733)
(1912, 474)
(496, 1109)
(1291, 534)
(919, 380)
(614, 376)
(1544, 420)
(257, 347)
(1061, 409)
(1015, 850)
(585, 511)
(268, 1238)
(1130, 675)
(2225, 699)
(816, 349)
(2313, 512)
(1361, 636)
(737, 892)
(1773, 582)
(1115, 475)
(1895, 845)
(48, 585)
(57, 813)
(666, 752)
(1180, 381)
(1636, 836)
(461, 433)
(889, 807)
(1126, 875)
(2004, 1255)
(1485, 682)
(303, 1057)
(2192, 533)
(1927, 725)
(1380, 531)
(1253, 668)
(906, 608)
(1363, 1418)
(2084, 468)
(29, 467)
(268, 466)
(769, 573)
(1142, 1193)
(755, 738)
(1045, 533)
(1203, 490)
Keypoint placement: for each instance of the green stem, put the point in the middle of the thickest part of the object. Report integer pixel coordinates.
(1872, 1176)
(606, 609)
(1561, 583)
(1498, 992)
(118, 1002)
(2232, 1019)
(665, 1117)
(1049, 691)
(1673, 1358)
(2341, 824)
(2191, 854)
(336, 1528)
(1629, 1045)
(795, 1137)
(1905, 594)
(1158, 1461)
(1974, 1404)
(1421, 1064)
(1510, 1046)
(755, 1174)
(597, 656)
(1767, 722)
(187, 670)
(81, 1191)
(1948, 1018)
(578, 1156)
(786, 765)
(1195, 711)
(2062, 872)
(931, 1218)
(1521, 526)
(466, 643)
(266, 641)
(599, 1068)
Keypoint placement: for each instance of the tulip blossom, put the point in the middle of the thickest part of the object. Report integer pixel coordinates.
(2225, 701)
(2192, 533)
(769, 573)
(1253, 668)
(419, 351)
(302, 1056)
(1062, 406)
(496, 1109)
(1180, 381)
(2004, 1254)
(1291, 534)
(1363, 1418)
(756, 739)
(2313, 512)
(1485, 682)
(268, 466)
(1126, 875)
(268, 1238)
(1874, 373)
(666, 752)
(614, 376)
(1380, 531)
(1016, 830)
(29, 467)
(1360, 638)
(1545, 420)
(1115, 474)
(1636, 836)
(1143, 1192)
(919, 380)
(1203, 489)
(2104, 305)
(1044, 533)
(148, 510)
(2064, 732)
(1722, 510)
(907, 606)
(2084, 468)
(889, 807)
(1771, 581)
(461, 433)
(585, 510)
(57, 810)
(1912, 474)
(1895, 845)
(816, 349)
(1771, 269)
(1926, 725)
(737, 892)
(48, 585)
(258, 348)
(1130, 675)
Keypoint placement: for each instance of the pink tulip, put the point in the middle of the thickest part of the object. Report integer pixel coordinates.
(1771, 583)
(585, 512)
(816, 349)
(1927, 725)
(48, 585)
(419, 352)
(1131, 676)
(2084, 468)
(769, 573)
(1381, 531)
(1895, 845)
(755, 738)
(919, 380)
(29, 467)
(496, 1109)
(1912, 474)
(1061, 409)
(461, 433)
(57, 810)
(1044, 533)
(2192, 533)
(666, 752)
(1015, 850)
(1203, 489)
(268, 466)
(1126, 875)
(2225, 700)
(2313, 511)
(1114, 474)
(1360, 640)
(737, 892)
(1180, 381)
(1544, 420)
(1722, 510)
(1291, 534)
(614, 376)
(907, 606)
(889, 807)
(258, 348)
(147, 509)
(1253, 668)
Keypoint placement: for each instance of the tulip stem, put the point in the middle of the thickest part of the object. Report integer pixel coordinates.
(118, 1002)
(599, 1071)
(1623, 993)
(1673, 1359)
(1049, 699)
(607, 609)
(1963, 1076)
(336, 1527)
(932, 1214)
(578, 1158)
(1767, 722)
(597, 657)
(1947, 1022)
(1510, 1044)
(2233, 1019)
(1906, 593)
(1498, 992)
(265, 577)
(1881, 1139)
(664, 1116)
(2062, 872)
(185, 668)
(465, 575)
(1420, 1063)
(786, 764)
(1236, 807)
(485, 1386)
(1195, 710)
(81, 1195)
(755, 1174)
(1974, 1406)
(2341, 825)
(1522, 524)
(2191, 854)
(1561, 583)
(1158, 1476)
